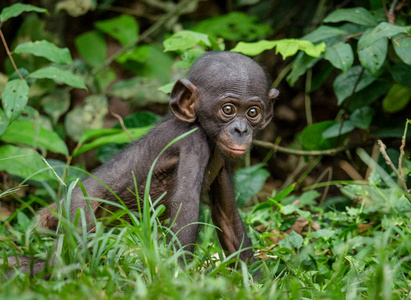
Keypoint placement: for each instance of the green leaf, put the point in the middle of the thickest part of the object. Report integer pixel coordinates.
(167, 88)
(402, 74)
(30, 133)
(286, 47)
(301, 64)
(234, 26)
(249, 181)
(46, 49)
(17, 9)
(137, 54)
(14, 98)
(322, 233)
(369, 94)
(344, 83)
(123, 28)
(295, 239)
(362, 117)
(402, 47)
(312, 137)
(338, 129)
(92, 47)
(340, 56)
(186, 39)
(95, 133)
(397, 98)
(118, 138)
(289, 209)
(24, 162)
(324, 33)
(59, 75)
(4, 121)
(88, 116)
(357, 15)
(373, 56)
(383, 29)
(56, 103)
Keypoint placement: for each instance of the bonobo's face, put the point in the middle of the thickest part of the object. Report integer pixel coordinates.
(232, 120)
(229, 95)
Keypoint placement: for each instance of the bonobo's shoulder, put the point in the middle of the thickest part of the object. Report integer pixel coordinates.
(172, 127)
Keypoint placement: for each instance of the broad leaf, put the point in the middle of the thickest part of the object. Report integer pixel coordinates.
(357, 15)
(312, 136)
(338, 129)
(402, 47)
(383, 29)
(24, 162)
(56, 103)
(4, 122)
(249, 181)
(185, 39)
(344, 84)
(324, 33)
(340, 56)
(362, 117)
(373, 56)
(286, 47)
(397, 98)
(301, 64)
(29, 133)
(92, 47)
(59, 75)
(17, 9)
(123, 28)
(46, 49)
(14, 98)
(118, 138)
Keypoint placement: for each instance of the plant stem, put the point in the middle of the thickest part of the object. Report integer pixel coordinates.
(299, 152)
(9, 54)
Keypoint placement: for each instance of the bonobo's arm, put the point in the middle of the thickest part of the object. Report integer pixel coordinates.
(225, 215)
(185, 201)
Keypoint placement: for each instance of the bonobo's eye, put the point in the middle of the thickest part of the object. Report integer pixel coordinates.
(228, 109)
(253, 112)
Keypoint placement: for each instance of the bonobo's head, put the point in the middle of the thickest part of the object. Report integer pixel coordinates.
(229, 95)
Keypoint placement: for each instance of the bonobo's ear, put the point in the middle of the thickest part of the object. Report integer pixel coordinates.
(272, 94)
(183, 100)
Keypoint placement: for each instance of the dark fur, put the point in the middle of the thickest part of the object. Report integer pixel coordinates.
(197, 166)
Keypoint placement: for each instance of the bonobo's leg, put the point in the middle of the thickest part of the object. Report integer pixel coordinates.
(224, 214)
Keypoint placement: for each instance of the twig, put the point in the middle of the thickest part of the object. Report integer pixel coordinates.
(177, 10)
(389, 162)
(400, 38)
(307, 97)
(9, 54)
(299, 152)
(352, 36)
(120, 119)
(390, 13)
(402, 153)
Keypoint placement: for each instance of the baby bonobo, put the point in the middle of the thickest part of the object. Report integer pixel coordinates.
(227, 97)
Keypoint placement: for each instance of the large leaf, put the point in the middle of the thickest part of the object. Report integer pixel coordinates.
(118, 137)
(340, 56)
(24, 162)
(248, 182)
(17, 9)
(373, 56)
(338, 129)
(324, 33)
(56, 103)
(46, 49)
(362, 117)
(186, 39)
(397, 98)
(286, 47)
(59, 75)
(4, 122)
(14, 98)
(402, 47)
(123, 28)
(344, 84)
(383, 29)
(357, 15)
(301, 64)
(30, 133)
(312, 136)
(92, 47)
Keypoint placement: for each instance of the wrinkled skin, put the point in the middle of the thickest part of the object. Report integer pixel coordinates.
(228, 99)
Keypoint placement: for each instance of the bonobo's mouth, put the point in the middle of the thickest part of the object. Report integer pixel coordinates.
(236, 151)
